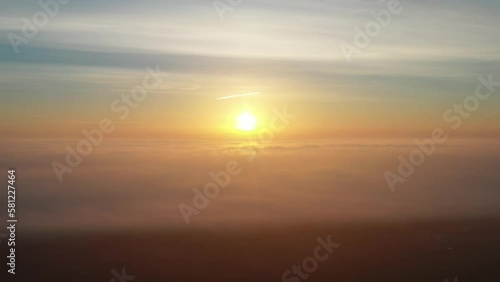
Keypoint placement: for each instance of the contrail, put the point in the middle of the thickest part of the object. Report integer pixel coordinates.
(239, 95)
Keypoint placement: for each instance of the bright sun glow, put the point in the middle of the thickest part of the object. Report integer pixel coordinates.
(246, 121)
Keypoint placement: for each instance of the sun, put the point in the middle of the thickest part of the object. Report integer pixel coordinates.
(246, 121)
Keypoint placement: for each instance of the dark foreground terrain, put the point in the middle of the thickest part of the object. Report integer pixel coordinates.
(412, 251)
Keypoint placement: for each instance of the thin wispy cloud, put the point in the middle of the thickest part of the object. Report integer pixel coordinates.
(239, 95)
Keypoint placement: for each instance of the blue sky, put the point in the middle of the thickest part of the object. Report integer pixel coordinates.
(427, 58)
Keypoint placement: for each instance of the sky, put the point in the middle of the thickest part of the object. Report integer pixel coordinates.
(343, 121)
(65, 78)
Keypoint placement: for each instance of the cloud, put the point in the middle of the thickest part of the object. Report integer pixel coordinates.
(141, 183)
